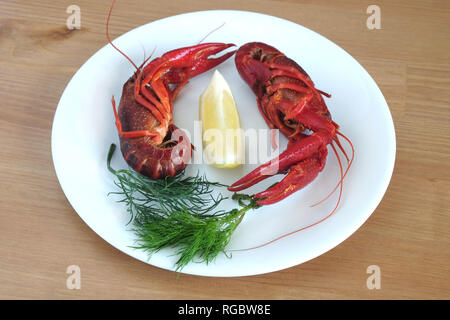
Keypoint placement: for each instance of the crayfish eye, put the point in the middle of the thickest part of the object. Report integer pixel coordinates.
(257, 54)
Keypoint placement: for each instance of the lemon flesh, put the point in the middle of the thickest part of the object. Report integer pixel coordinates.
(222, 134)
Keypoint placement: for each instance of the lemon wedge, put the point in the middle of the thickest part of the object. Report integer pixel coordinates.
(222, 134)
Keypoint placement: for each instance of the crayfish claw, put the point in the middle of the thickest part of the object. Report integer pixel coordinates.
(298, 177)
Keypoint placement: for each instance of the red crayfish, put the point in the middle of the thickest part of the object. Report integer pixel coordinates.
(286, 98)
(144, 119)
(288, 101)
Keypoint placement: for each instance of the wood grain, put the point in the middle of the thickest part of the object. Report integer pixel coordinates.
(408, 236)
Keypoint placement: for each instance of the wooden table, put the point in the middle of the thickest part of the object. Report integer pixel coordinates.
(408, 236)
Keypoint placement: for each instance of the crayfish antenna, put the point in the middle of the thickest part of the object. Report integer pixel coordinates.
(345, 173)
(311, 225)
(324, 93)
(211, 32)
(338, 143)
(109, 39)
(146, 59)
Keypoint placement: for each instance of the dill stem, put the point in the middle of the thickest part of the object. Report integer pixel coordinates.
(179, 212)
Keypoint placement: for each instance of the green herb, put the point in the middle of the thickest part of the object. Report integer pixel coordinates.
(179, 212)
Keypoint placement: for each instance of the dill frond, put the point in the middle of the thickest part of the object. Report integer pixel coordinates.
(178, 212)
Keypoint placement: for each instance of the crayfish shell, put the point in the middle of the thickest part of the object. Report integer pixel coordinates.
(142, 154)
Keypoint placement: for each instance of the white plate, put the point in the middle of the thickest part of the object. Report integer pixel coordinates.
(83, 130)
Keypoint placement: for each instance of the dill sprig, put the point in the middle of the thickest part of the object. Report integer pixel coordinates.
(179, 212)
